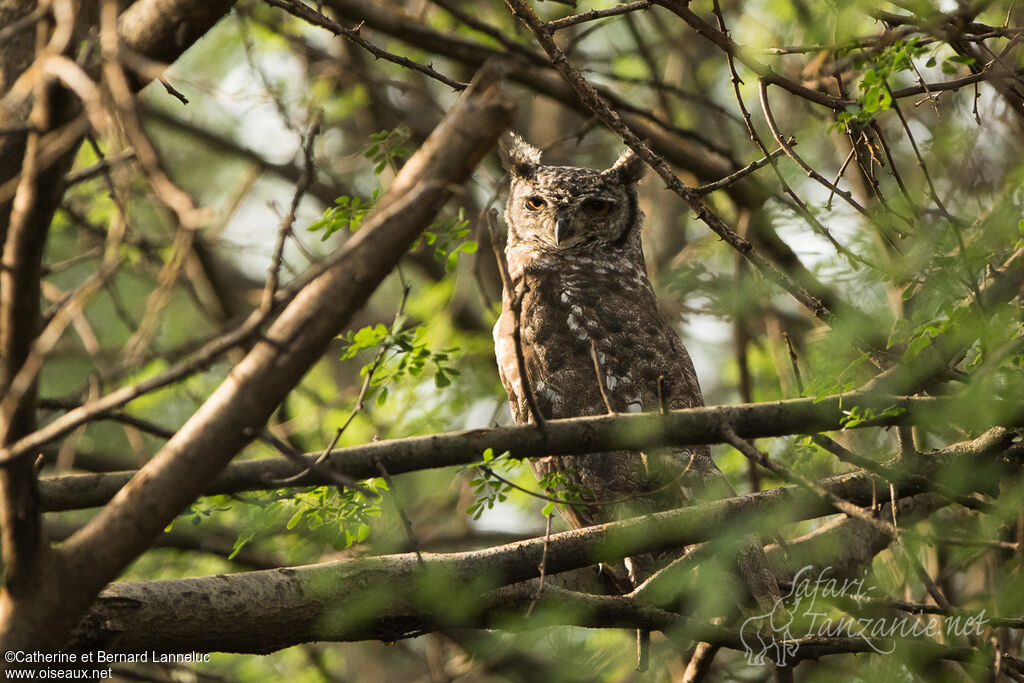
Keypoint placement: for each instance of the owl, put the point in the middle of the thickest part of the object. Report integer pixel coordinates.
(593, 337)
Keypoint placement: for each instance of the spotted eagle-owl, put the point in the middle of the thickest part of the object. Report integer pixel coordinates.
(574, 253)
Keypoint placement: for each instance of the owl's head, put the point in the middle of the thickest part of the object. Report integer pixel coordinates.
(567, 208)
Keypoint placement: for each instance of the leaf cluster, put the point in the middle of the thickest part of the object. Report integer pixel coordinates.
(405, 353)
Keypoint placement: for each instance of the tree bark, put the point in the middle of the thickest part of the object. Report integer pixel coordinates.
(395, 596)
(559, 437)
(238, 409)
(33, 607)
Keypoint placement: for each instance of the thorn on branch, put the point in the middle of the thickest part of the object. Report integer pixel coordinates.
(174, 92)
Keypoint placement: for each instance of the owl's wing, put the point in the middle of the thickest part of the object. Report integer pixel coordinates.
(545, 394)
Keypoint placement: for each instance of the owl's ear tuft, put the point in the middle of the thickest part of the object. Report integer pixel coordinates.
(629, 167)
(518, 157)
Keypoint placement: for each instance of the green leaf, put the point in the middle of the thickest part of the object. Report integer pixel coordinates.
(240, 542)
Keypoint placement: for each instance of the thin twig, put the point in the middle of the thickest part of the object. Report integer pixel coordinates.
(840, 504)
(539, 496)
(542, 568)
(325, 472)
(467, 18)
(515, 308)
(100, 167)
(773, 126)
(593, 101)
(600, 378)
(794, 363)
(893, 171)
(798, 203)
(743, 172)
(722, 40)
(839, 174)
(172, 91)
(361, 397)
(312, 467)
(406, 522)
(315, 18)
(305, 180)
(19, 25)
(566, 22)
(195, 363)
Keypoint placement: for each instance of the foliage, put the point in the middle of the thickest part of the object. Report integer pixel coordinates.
(340, 517)
(386, 149)
(929, 208)
(447, 237)
(487, 489)
(347, 214)
(405, 353)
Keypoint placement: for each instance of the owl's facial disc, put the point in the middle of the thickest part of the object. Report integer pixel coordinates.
(568, 221)
(568, 209)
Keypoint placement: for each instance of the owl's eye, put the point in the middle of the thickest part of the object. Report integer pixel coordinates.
(598, 207)
(535, 203)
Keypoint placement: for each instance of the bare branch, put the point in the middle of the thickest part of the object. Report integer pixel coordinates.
(239, 407)
(598, 434)
(305, 180)
(742, 173)
(624, 8)
(315, 18)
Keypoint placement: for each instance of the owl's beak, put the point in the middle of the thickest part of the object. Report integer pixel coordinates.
(563, 229)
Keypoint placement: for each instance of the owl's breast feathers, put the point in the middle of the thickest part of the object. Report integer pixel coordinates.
(572, 307)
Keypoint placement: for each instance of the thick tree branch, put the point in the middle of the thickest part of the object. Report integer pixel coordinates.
(129, 612)
(604, 433)
(20, 273)
(238, 409)
(293, 605)
(159, 29)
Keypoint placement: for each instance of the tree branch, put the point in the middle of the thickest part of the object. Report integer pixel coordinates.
(238, 409)
(293, 605)
(600, 434)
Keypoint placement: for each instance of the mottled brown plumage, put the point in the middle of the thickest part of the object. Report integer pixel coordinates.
(574, 252)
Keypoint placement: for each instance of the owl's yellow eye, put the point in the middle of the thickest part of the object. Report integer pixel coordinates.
(535, 203)
(598, 207)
